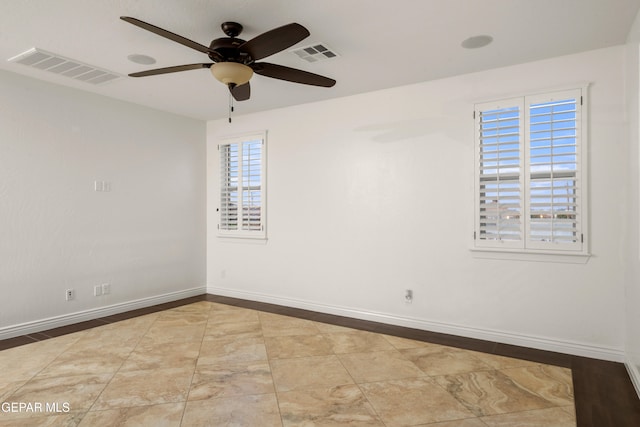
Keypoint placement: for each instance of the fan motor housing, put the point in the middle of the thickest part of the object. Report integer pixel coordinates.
(227, 47)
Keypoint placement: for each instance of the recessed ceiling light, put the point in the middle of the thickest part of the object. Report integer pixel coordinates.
(141, 59)
(476, 42)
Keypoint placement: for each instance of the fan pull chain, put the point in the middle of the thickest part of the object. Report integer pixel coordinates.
(230, 105)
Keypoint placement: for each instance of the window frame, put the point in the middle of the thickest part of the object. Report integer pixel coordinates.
(243, 231)
(527, 245)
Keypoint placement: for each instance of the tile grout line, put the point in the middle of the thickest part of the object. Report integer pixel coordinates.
(375, 411)
(118, 369)
(437, 384)
(31, 378)
(273, 380)
(195, 367)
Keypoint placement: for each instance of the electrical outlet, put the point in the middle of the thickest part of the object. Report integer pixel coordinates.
(97, 290)
(106, 288)
(408, 296)
(102, 186)
(70, 294)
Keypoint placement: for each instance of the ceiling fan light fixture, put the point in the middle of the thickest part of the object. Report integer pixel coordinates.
(231, 73)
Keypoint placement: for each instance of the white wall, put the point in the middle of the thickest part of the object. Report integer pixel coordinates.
(146, 237)
(632, 280)
(372, 194)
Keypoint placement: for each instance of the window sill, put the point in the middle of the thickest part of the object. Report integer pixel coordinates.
(230, 238)
(531, 255)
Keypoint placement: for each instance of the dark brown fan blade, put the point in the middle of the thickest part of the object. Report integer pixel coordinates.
(167, 34)
(274, 41)
(173, 69)
(242, 92)
(291, 74)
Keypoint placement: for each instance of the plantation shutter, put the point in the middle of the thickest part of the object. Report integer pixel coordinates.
(499, 177)
(529, 191)
(241, 211)
(229, 173)
(554, 180)
(252, 185)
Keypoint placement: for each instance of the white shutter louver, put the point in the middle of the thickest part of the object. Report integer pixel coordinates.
(251, 185)
(554, 178)
(499, 178)
(229, 170)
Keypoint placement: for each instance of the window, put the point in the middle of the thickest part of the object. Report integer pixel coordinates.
(530, 157)
(242, 186)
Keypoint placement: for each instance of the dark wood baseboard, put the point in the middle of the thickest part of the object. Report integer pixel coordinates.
(603, 392)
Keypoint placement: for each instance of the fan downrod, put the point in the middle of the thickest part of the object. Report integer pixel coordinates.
(231, 29)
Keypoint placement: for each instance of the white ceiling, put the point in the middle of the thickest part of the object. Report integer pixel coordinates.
(381, 44)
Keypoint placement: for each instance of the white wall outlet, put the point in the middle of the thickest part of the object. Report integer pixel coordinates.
(70, 294)
(106, 288)
(97, 290)
(408, 296)
(102, 186)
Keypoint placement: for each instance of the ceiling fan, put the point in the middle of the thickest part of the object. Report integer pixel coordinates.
(234, 59)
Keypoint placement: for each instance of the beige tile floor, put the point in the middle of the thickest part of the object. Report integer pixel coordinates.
(209, 364)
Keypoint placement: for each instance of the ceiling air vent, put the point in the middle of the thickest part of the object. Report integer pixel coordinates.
(43, 60)
(316, 52)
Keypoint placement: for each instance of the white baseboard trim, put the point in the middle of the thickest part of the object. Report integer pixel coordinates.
(634, 374)
(541, 343)
(94, 313)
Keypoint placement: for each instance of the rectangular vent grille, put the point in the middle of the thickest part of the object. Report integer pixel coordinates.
(43, 60)
(316, 52)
